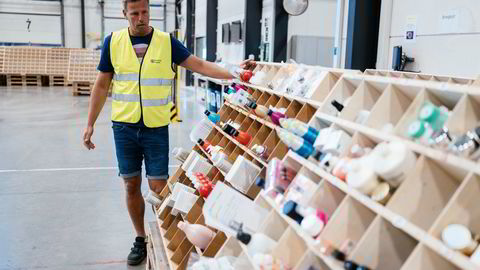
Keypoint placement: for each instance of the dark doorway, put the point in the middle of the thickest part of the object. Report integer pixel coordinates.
(362, 34)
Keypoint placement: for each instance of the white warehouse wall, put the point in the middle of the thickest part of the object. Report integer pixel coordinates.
(318, 20)
(448, 35)
(73, 39)
(229, 11)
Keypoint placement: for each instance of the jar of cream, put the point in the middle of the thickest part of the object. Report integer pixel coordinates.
(393, 161)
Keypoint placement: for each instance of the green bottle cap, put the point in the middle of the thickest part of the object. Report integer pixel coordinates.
(416, 129)
(429, 113)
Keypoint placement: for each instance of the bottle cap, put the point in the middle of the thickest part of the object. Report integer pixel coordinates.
(229, 129)
(244, 237)
(338, 255)
(260, 182)
(207, 112)
(201, 142)
(429, 112)
(270, 112)
(416, 129)
(253, 105)
(337, 105)
(290, 209)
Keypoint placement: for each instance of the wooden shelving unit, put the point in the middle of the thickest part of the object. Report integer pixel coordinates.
(402, 234)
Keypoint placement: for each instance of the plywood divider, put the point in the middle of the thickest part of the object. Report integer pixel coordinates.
(364, 98)
(273, 226)
(215, 245)
(390, 107)
(327, 198)
(306, 113)
(424, 258)
(246, 123)
(324, 85)
(262, 100)
(426, 191)
(172, 229)
(341, 92)
(290, 248)
(439, 98)
(462, 209)
(465, 116)
(348, 223)
(389, 250)
(272, 101)
(293, 109)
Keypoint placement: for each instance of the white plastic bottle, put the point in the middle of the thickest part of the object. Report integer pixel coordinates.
(256, 243)
(199, 235)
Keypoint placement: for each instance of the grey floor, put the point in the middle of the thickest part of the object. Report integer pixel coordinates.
(61, 206)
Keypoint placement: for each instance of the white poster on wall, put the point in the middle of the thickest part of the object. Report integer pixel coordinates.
(30, 29)
(411, 29)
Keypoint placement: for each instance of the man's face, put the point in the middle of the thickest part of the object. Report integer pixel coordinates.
(138, 16)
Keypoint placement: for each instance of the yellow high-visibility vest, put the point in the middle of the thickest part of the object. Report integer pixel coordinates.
(142, 88)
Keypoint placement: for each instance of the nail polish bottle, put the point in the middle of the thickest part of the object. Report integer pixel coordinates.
(275, 116)
(299, 128)
(242, 137)
(311, 221)
(260, 110)
(297, 144)
(215, 118)
(204, 144)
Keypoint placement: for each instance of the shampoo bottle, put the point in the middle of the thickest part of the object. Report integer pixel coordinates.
(215, 118)
(299, 128)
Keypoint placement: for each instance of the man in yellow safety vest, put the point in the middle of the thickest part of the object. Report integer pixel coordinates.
(138, 61)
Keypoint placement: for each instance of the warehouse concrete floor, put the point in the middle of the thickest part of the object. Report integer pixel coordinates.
(61, 206)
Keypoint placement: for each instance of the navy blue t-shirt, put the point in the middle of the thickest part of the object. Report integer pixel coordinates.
(140, 45)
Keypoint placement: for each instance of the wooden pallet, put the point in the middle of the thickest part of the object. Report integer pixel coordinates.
(82, 88)
(58, 80)
(24, 80)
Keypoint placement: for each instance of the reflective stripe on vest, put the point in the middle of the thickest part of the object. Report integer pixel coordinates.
(142, 88)
(145, 102)
(146, 82)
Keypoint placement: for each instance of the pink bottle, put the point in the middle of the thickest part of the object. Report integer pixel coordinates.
(197, 234)
(276, 116)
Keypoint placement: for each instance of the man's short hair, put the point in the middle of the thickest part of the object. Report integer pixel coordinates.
(125, 2)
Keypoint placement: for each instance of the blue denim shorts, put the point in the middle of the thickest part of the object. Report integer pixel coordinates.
(135, 144)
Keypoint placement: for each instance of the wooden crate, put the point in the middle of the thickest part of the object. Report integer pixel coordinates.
(24, 80)
(58, 80)
(25, 60)
(2, 59)
(81, 88)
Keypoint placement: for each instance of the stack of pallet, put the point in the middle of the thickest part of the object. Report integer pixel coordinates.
(2, 61)
(82, 70)
(24, 66)
(56, 66)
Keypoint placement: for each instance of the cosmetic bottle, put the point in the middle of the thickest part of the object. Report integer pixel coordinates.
(215, 118)
(435, 116)
(256, 243)
(393, 161)
(350, 265)
(311, 220)
(261, 151)
(362, 177)
(204, 144)
(382, 193)
(421, 132)
(199, 235)
(242, 137)
(467, 145)
(259, 110)
(275, 116)
(297, 144)
(299, 128)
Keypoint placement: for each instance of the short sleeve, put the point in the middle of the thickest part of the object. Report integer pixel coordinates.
(179, 52)
(105, 64)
